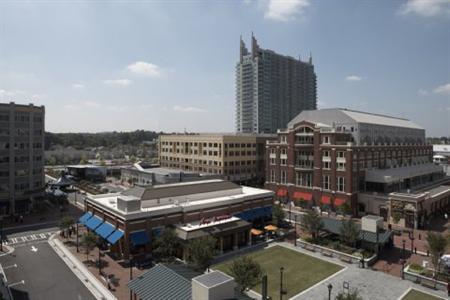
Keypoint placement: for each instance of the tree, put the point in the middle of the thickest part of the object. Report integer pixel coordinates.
(201, 251)
(246, 272)
(437, 244)
(278, 215)
(312, 222)
(345, 208)
(65, 223)
(351, 295)
(89, 241)
(349, 232)
(167, 245)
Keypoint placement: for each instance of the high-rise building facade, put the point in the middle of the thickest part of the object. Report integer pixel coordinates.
(21, 156)
(271, 89)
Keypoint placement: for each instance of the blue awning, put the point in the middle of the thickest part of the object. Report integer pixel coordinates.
(139, 238)
(105, 230)
(115, 236)
(85, 217)
(93, 222)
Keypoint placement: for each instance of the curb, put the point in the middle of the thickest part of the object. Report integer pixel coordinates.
(10, 250)
(98, 290)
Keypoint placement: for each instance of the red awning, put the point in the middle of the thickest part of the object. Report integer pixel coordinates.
(339, 201)
(282, 192)
(326, 200)
(302, 196)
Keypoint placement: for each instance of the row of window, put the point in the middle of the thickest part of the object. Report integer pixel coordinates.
(305, 180)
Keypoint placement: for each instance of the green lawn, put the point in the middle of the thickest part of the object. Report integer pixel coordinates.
(416, 295)
(300, 271)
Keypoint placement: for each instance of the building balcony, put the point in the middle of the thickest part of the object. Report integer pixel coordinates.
(304, 167)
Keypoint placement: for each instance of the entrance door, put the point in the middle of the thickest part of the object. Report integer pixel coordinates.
(409, 219)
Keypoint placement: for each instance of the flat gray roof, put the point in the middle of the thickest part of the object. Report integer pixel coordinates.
(212, 279)
(180, 189)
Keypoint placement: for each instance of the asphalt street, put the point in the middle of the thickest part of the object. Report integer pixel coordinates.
(45, 275)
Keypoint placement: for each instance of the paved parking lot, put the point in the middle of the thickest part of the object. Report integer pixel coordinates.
(44, 274)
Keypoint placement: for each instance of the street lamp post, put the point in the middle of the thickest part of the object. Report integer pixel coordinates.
(1, 233)
(330, 287)
(99, 260)
(131, 275)
(290, 213)
(403, 251)
(77, 239)
(295, 230)
(281, 283)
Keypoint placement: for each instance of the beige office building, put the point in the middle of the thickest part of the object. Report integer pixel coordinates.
(237, 157)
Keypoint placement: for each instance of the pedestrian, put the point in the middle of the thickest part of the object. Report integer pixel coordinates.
(21, 219)
(108, 281)
(448, 288)
(446, 216)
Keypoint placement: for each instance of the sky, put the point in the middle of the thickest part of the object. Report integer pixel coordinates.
(170, 65)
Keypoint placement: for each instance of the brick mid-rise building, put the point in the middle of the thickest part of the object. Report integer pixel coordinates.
(330, 157)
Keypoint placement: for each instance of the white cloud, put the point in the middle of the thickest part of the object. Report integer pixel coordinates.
(285, 10)
(443, 89)
(422, 92)
(353, 78)
(71, 107)
(121, 82)
(145, 68)
(188, 109)
(78, 86)
(426, 8)
(146, 106)
(92, 104)
(38, 97)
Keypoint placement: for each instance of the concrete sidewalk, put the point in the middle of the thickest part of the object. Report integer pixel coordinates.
(97, 289)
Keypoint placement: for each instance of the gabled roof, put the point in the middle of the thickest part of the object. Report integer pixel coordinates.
(171, 281)
(346, 116)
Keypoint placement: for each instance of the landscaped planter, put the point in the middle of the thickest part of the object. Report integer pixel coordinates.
(419, 279)
(321, 249)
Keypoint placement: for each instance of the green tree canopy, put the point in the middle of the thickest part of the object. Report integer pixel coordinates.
(437, 244)
(65, 223)
(278, 215)
(349, 232)
(201, 252)
(89, 241)
(351, 295)
(167, 245)
(313, 223)
(246, 272)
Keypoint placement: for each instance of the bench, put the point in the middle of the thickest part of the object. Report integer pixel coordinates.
(428, 283)
(310, 248)
(327, 253)
(346, 259)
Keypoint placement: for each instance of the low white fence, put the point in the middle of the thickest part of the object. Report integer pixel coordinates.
(334, 253)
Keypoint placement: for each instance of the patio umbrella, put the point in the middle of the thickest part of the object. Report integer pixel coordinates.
(256, 232)
(271, 228)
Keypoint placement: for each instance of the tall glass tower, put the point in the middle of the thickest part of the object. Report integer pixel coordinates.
(271, 89)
